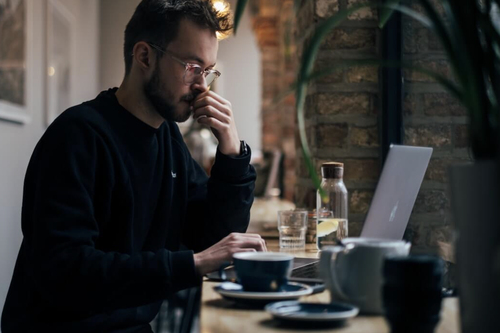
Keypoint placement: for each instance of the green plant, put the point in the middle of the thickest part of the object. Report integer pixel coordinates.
(471, 40)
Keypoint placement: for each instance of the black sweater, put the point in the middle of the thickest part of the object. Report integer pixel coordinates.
(108, 203)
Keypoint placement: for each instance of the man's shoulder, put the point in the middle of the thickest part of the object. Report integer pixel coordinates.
(82, 116)
(82, 113)
(77, 125)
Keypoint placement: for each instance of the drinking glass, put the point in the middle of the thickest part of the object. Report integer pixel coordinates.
(292, 225)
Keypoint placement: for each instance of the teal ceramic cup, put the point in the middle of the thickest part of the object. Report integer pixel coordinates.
(262, 271)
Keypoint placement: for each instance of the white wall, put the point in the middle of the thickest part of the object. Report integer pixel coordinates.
(241, 80)
(17, 141)
(239, 58)
(114, 16)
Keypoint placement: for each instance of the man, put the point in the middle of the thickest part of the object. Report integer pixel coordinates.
(112, 195)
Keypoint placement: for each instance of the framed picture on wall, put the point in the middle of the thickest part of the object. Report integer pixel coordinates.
(15, 37)
(61, 48)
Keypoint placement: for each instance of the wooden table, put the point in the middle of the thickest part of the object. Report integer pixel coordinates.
(218, 315)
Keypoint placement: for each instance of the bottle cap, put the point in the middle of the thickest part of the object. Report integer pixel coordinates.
(332, 170)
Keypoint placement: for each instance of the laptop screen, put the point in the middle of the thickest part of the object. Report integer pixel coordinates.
(396, 192)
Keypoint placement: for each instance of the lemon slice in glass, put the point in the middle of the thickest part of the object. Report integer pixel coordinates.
(326, 227)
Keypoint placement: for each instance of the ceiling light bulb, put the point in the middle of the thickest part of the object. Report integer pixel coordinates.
(220, 6)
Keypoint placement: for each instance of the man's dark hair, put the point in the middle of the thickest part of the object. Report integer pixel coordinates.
(157, 21)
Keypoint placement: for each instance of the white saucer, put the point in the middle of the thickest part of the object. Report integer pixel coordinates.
(312, 312)
(234, 291)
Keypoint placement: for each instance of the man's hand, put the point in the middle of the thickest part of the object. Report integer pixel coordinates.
(212, 258)
(214, 111)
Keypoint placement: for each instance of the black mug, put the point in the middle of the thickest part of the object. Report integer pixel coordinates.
(412, 293)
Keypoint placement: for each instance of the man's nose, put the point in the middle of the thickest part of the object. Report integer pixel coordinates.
(200, 83)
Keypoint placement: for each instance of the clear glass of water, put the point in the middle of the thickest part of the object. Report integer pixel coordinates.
(292, 226)
(330, 230)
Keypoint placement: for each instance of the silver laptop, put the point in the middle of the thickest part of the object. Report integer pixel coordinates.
(396, 192)
(392, 204)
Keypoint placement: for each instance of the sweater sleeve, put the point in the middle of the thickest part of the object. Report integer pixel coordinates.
(221, 205)
(60, 225)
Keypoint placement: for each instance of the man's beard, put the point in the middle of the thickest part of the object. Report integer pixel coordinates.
(161, 100)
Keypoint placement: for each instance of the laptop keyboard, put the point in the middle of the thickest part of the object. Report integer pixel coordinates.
(310, 271)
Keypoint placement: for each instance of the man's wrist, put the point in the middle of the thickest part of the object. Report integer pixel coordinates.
(243, 148)
(197, 264)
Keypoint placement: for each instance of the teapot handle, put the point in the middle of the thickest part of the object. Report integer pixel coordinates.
(328, 270)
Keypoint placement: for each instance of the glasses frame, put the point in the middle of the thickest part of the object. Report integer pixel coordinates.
(188, 66)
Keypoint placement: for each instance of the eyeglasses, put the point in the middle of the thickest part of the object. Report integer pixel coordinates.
(192, 71)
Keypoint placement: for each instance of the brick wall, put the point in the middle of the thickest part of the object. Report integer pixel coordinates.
(432, 118)
(342, 109)
(273, 25)
(342, 119)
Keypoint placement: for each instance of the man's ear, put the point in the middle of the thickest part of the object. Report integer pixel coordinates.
(143, 56)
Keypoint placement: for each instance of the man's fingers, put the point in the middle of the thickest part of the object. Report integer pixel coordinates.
(210, 94)
(211, 258)
(211, 112)
(238, 234)
(253, 235)
(245, 250)
(215, 124)
(240, 240)
(210, 101)
(257, 243)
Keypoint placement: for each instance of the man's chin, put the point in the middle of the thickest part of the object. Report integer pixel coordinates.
(181, 119)
(179, 116)
(182, 115)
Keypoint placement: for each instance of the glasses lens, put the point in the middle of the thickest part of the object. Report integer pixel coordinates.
(210, 78)
(193, 73)
(197, 70)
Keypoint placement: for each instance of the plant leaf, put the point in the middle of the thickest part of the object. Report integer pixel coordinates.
(308, 59)
(463, 17)
(448, 84)
(442, 80)
(326, 26)
(240, 9)
(492, 59)
(296, 5)
(439, 28)
(490, 73)
(285, 93)
(386, 13)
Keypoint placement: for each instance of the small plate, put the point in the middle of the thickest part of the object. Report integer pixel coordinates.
(235, 292)
(312, 312)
